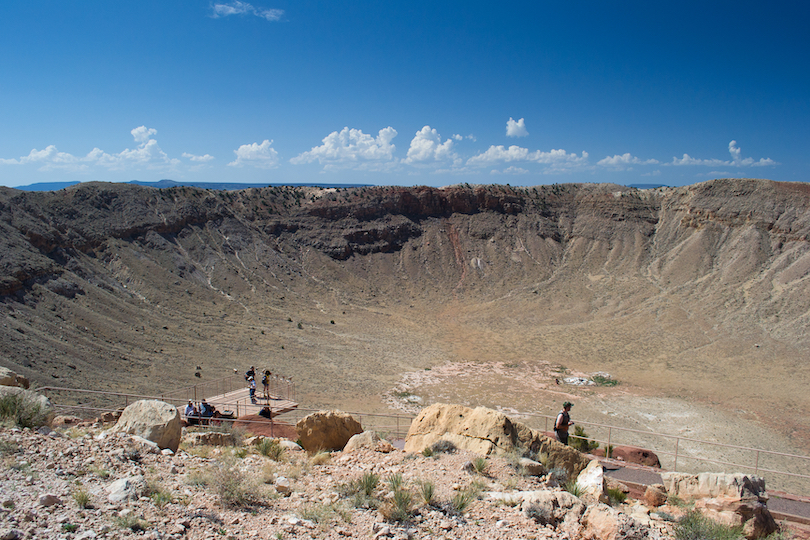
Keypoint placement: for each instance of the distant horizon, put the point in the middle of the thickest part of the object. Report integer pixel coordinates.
(424, 93)
(167, 183)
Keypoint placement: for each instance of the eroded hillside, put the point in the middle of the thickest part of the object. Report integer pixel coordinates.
(698, 292)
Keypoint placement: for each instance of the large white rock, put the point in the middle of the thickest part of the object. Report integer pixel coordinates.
(605, 523)
(153, 420)
(592, 483)
(327, 430)
(126, 489)
(708, 485)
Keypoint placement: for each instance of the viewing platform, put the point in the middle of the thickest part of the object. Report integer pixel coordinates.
(232, 395)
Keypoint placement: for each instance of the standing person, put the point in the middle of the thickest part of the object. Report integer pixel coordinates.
(563, 422)
(252, 383)
(266, 384)
(250, 373)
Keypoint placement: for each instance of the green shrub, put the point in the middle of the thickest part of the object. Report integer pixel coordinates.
(540, 514)
(616, 496)
(480, 465)
(82, 498)
(427, 451)
(461, 501)
(132, 522)
(427, 491)
(572, 487)
(581, 442)
(368, 483)
(322, 513)
(270, 448)
(233, 487)
(695, 526)
(601, 380)
(22, 410)
(443, 447)
(396, 482)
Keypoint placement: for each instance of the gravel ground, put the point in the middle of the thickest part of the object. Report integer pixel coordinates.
(57, 486)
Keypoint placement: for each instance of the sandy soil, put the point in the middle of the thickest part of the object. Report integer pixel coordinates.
(530, 393)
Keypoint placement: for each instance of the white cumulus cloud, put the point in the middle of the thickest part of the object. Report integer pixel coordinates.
(263, 155)
(147, 153)
(351, 148)
(427, 145)
(556, 160)
(194, 157)
(736, 160)
(236, 7)
(510, 170)
(625, 160)
(516, 129)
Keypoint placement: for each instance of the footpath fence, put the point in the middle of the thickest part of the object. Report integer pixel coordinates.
(782, 471)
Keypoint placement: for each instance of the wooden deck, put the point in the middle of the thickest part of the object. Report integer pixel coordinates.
(238, 402)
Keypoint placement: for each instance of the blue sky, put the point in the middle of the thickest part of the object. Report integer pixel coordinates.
(395, 93)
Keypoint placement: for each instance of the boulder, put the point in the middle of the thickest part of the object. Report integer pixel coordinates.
(709, 485)
(327, 430)
(531, 467)
(601, 522)
(559, 509)
(655, 495)
(290, 445)
(65, 420)
(210, 438)
(9, 378)
(592, 483)
(746, 512)
(368, 439)
(632, 454)
(153, 420)
(485, 431)
(126, 489)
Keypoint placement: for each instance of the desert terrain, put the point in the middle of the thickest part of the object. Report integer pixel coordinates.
(694, 299)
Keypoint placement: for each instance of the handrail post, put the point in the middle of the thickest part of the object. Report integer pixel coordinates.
(608, 450)
(675, 465)
(272, 427)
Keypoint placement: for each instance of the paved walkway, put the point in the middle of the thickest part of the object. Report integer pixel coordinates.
(783, 506)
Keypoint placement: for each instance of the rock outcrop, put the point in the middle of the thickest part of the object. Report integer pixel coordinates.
(737, 500)
(153, 420)
(368, 439)
(327, 430)
(9, 378)
(485, 431)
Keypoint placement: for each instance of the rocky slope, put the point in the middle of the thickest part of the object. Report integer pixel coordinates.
(87, 483)
(698, 292)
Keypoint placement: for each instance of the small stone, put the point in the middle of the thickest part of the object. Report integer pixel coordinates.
(49, 499)
(501, 524)
(11, 534)
(446, 525)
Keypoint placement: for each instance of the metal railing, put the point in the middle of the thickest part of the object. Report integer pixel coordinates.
(782, 471)
(279, 386)
(689, 455)
(393, 426)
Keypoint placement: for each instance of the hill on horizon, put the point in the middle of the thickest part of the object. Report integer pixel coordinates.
(697, 293)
